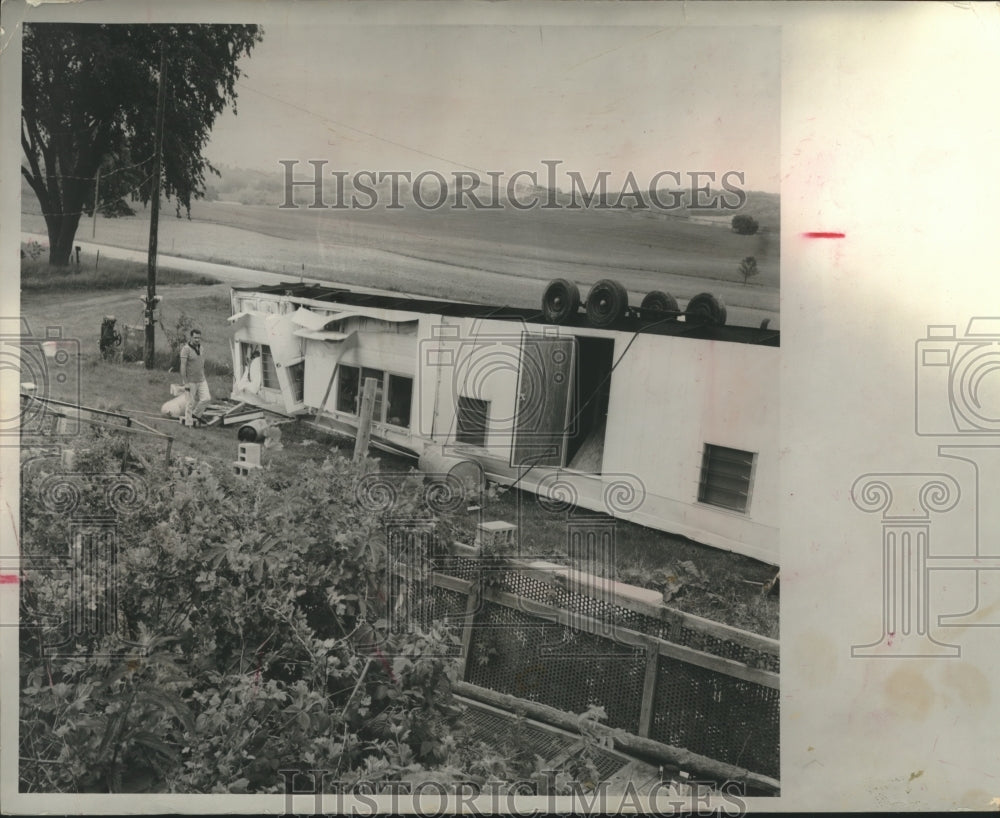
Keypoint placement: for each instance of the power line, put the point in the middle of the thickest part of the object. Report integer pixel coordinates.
(134, 189)
(103, 173)
(338, 123)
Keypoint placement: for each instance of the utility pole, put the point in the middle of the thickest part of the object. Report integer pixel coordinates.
(97, 188)
(154, 216)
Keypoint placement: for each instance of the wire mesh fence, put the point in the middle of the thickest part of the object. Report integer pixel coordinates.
(661, 674)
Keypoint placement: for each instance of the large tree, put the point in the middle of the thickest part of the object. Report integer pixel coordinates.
(89, 102)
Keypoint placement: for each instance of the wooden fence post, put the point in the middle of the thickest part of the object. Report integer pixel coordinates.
(365, 419)
(649, 690)
(471, 606)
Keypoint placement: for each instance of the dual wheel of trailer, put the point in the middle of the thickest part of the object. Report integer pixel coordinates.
(656, 303)
(607, 302)
(706, 308)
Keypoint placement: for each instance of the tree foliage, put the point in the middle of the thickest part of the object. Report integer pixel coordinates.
(89, 101)
(252, 605)
(748, 268)
(745, 225)
(246, 597)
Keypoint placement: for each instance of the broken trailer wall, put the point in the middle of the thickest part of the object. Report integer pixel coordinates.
(380, 344)
(263, 321)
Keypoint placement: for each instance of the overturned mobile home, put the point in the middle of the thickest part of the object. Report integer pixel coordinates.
(647, 415)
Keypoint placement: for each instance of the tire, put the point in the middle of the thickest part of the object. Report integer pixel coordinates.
(722, 317)
(561, 301)
(656, 303)
(607, 302)
(706, 309)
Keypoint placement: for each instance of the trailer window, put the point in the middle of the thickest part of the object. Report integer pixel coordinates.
(270, 372)
(400, 398)
(296, 377)
(351, 385)
(379, 376)
(347, 389)
(726, 477)
(473, 415)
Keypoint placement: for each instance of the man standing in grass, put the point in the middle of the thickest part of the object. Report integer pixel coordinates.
(193, 372)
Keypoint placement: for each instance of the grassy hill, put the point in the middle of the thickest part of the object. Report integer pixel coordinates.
(488, 256)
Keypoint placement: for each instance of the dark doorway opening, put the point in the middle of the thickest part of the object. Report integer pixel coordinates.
(594, 359)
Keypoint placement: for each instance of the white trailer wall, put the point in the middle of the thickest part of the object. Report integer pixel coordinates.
(670, 396)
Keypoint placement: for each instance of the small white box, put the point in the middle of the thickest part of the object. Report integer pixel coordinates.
(495, 533)
(249, 453)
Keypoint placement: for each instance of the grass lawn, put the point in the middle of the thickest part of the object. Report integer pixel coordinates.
(37, 276)
(696, 578)
(76, 303)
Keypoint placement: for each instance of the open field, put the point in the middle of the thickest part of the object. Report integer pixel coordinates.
(108, 274)
(725, 587)
(500, 257)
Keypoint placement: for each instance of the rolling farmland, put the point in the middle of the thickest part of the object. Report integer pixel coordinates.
(486, 256)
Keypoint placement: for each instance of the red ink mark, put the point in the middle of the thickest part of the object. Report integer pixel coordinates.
(823, 235)
(385, 665)
(892, 635)
(9, 579)
(13, 524)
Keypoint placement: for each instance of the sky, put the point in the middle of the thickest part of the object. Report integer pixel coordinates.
(504, 98)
